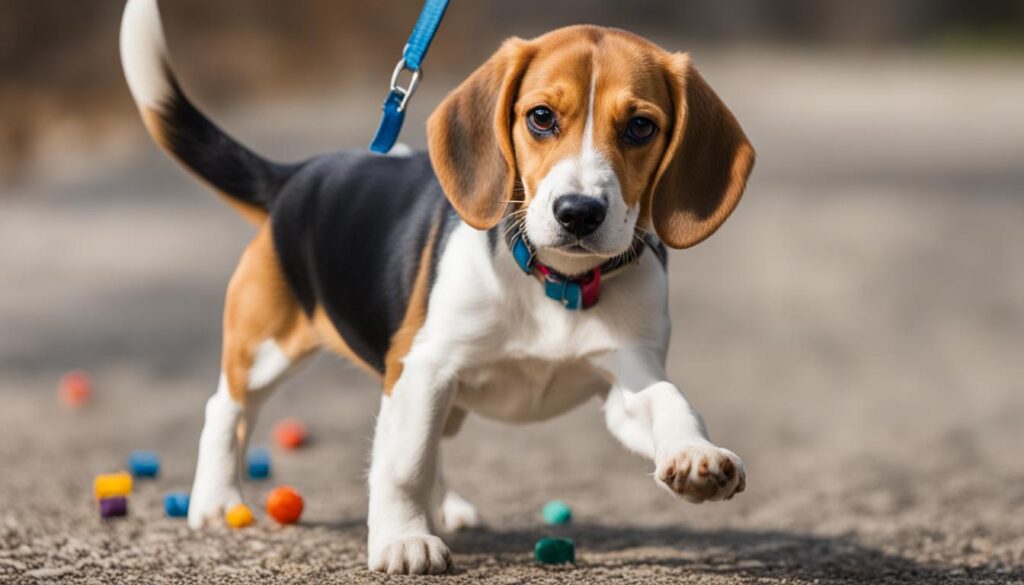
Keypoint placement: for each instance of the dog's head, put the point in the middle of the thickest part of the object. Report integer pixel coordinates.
(588, 134)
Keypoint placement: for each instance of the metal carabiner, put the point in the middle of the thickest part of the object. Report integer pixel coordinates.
(405, 92)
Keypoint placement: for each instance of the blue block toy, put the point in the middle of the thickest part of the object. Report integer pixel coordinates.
(176, 504)
(258, 463)
(144, 463)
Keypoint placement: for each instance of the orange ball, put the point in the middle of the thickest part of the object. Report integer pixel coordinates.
(74, 389)
(284, 504)
(290, 433)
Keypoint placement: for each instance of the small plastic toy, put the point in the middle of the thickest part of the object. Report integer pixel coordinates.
(284, 504)
(258, 463)
(556, 512)
(115, 507)
(112, 485)
(144, 463)
(290, 433)
(176, 504)
(554, 551)
(74, 389)
(239, 516)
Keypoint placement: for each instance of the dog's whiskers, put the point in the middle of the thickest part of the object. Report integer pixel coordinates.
(515, 224)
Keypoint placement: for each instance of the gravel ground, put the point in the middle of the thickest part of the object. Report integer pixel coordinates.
(854, 333)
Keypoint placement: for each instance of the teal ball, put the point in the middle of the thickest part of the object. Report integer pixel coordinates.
(557, 512)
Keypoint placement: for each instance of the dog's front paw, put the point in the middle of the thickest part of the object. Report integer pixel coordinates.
(700, 473)
(423, 554)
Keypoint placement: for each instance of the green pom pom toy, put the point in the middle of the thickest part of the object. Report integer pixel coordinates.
(554, 551)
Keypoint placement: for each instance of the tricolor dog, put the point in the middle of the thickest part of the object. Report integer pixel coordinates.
(515, 272)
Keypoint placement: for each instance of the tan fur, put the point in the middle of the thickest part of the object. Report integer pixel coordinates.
(260, 306)
(415, 315)
(705, 169)
(559, 78)
(687, 179)
(470, 146)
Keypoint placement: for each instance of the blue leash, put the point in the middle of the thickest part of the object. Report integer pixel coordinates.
(412, 61)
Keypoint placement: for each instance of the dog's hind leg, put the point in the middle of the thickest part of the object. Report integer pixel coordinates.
(266, 336)
(456, 513)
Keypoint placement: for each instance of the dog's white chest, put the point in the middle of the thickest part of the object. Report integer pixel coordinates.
(527, 390)
(535, 365)
(518, 355)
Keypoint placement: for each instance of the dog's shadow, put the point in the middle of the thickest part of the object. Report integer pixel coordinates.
(731, 554)
(728, 553)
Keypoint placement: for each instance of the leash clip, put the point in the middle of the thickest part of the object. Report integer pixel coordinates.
(405, 92)
(412, 61)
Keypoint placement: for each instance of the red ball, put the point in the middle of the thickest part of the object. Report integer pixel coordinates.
(284, 504)
(74, 389)
(290, 433)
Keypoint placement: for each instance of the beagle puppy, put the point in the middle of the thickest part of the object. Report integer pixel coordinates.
(515, 272)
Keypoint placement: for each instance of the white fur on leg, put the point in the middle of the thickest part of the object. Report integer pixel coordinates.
(403, 479)
(653, 418)
(269, 366)
(457, 513)
(217, 485)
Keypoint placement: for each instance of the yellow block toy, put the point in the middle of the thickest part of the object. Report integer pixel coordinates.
(112, 485)
(239, 516)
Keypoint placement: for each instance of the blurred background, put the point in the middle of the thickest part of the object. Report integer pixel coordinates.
(854, 332)
(61, 85)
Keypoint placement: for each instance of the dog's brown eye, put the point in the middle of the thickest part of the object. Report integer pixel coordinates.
(640, 130)
(541, 121)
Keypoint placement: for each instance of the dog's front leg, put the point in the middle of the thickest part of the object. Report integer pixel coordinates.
(402, 473)
(652, 417)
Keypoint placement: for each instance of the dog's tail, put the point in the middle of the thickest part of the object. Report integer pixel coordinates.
(248, 181)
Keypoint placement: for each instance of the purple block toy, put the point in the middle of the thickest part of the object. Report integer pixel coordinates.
(113, 507)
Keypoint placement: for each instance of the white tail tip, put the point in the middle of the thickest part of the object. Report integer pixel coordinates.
(144, 55)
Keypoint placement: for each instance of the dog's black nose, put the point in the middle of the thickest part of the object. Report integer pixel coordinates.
(580, 215)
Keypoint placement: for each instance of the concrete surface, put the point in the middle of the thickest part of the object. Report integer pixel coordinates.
(854, 333)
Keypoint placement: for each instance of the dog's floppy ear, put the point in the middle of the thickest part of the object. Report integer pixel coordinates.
(470, 137)
(706, 163)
